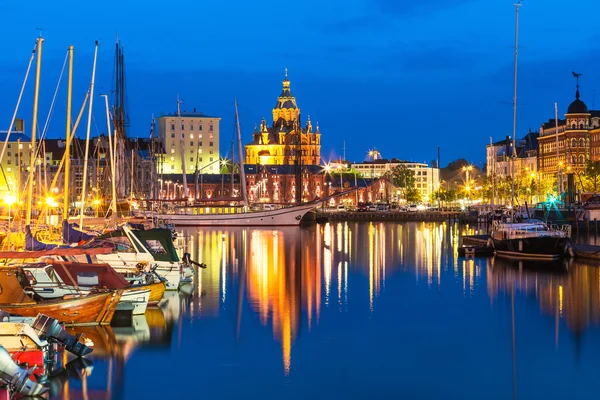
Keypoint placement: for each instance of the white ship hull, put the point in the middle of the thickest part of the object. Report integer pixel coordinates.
(288, 216)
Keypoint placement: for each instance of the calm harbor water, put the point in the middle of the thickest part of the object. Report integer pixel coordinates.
(351, 311)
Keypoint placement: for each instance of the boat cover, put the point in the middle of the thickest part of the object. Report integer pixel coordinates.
(32, 243)
(101, 275)
(72, 235)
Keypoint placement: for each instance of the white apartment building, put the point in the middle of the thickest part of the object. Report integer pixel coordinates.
(427, 179)
(199, 135)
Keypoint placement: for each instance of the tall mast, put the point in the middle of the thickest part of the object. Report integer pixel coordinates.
(182, 148)
(111, 154)
(241, 156)
(68, 137)
(87, 138)
(32, 150)
(559, 175)
(514, 133)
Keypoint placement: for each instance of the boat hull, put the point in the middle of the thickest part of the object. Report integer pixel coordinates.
(532, 248)
(95, 309)
(288, 216)
(157, 291)
(138, 297)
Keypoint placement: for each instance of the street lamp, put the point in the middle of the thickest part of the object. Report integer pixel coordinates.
(97, 204)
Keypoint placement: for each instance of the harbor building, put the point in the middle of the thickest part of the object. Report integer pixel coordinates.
(571, 137)
(427, 179)
(285, 142)
(199, 136)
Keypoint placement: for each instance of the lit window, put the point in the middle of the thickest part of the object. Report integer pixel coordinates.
(172, 158)
(199, 151)
(9, 169)
(211, 136)
(191, 135)
(172, 151)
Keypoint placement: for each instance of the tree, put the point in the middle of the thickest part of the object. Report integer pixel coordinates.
(590, 175)
(404, 178)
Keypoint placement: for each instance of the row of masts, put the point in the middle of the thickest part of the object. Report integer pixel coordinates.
(114, 143)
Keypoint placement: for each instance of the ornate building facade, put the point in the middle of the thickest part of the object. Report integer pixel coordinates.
(572, 138)
(285, 141)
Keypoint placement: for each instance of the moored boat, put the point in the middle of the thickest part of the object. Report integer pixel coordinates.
(531, 239)
(89, 310)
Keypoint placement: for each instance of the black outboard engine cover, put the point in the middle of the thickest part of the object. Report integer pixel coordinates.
(49, 329)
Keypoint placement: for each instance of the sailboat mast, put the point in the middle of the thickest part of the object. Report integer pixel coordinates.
(559, 177)
(111, 153)
(241, 156)
(87, 138)
(32, 151)
(514, 133)
(68, 137)
(182, 148)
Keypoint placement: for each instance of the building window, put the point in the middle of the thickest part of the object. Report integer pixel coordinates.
(200, 160)
(210, 128)
(172, 166)
(211, 144)
(211, 159)
(172, 151)
(191, 159)
(191, 127)
(182, 127)
(191, 135)
(172, 127)
(172, 135)
(9, 145)
(191, 143)
(200, 127)
(199, 143)
(211, 152)
(9, 154)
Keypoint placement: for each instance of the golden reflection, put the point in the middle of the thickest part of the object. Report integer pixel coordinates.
(282, 278)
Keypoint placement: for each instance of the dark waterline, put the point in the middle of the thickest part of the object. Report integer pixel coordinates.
(356, 310)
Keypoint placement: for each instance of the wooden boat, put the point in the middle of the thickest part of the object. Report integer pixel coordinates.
(89, 310)
(59, 279)
(157, 291)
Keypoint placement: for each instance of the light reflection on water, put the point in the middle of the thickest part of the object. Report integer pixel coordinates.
(352, 294)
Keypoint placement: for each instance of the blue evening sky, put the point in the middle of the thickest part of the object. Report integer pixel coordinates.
(400, 76)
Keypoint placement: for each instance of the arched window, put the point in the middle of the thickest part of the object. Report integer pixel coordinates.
(574, 160)
(582, 142)
(581, 159)
(574, 126)
(580, 126)
(573, 142)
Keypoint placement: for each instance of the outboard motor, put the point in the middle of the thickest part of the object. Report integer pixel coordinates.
(17, 378)
(49, 329)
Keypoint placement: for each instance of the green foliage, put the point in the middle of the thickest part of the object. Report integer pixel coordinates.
(404, 178)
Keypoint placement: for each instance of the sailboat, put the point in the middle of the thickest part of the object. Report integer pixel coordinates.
(531, 238)
(239, 215)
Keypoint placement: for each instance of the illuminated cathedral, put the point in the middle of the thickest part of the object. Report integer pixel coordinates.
(285, 141)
